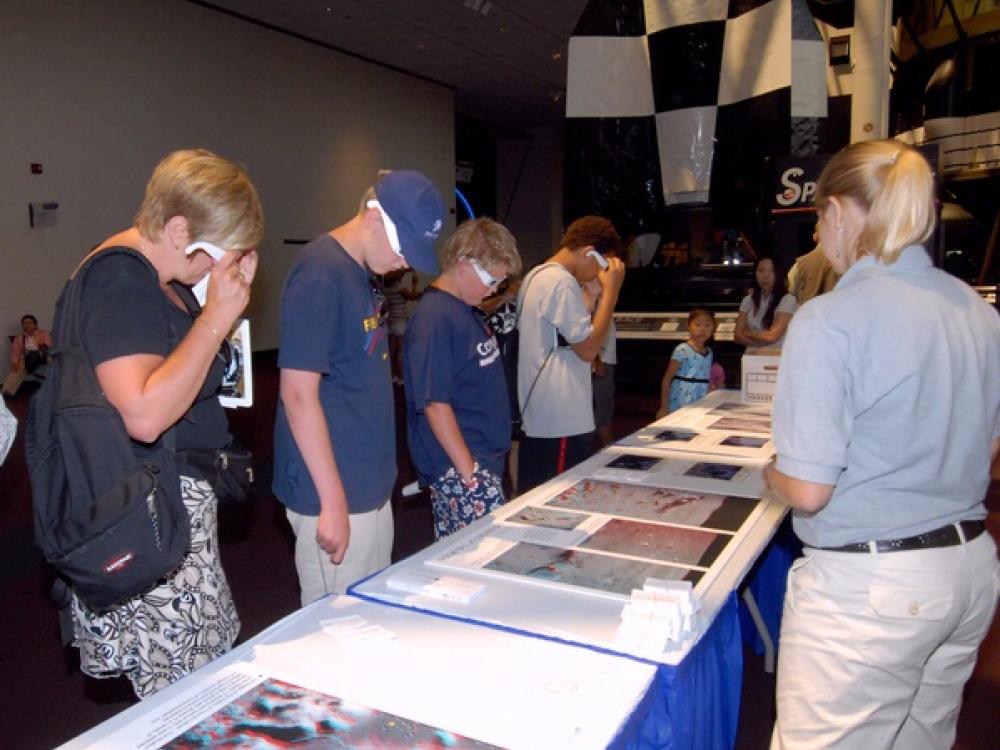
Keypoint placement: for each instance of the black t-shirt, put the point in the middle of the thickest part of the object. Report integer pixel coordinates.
(124, 311)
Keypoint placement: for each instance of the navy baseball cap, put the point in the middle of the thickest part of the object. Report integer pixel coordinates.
(414, 206)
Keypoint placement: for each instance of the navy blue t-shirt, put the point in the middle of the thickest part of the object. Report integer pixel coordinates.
(330, 324)
(450, 356)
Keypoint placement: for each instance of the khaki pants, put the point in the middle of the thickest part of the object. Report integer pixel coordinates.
(876, 647)
(368, 551)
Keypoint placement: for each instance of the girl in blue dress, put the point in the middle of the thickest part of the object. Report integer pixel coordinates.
(687, 377)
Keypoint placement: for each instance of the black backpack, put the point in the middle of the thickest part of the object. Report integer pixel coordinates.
(111, 524)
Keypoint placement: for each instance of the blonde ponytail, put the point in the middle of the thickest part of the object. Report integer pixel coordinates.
(894, 186)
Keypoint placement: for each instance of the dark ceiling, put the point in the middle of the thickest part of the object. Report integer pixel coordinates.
(506, 60)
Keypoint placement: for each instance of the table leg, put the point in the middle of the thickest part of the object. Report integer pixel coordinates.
(765, 636)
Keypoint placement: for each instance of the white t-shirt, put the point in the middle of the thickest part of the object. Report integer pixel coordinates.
(551, 302)
(755, 318)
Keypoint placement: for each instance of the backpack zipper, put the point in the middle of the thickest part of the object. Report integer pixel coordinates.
(154, 517)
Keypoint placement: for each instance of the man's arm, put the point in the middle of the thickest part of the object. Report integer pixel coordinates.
(300, 395)
(611, 283)
(444, 425)
(798, 493)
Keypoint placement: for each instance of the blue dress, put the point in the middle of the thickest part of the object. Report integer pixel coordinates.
(690, 382)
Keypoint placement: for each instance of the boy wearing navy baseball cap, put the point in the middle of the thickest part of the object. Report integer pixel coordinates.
(334, 436)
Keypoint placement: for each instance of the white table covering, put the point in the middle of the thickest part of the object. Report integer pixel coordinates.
(500, 688)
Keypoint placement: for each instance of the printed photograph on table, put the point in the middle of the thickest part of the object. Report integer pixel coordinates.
(713, 470)
(742, 424)
(680, 436)
(277, 714)
(656, 437)
(735, 407)
(633, 462)
(705, 510)
(745, 441)
(610, 574)
(547, 517)
(672, 544)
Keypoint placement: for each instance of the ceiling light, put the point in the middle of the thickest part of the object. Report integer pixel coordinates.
(479, 6)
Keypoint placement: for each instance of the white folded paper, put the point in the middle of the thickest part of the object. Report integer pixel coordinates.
(658, 616)
(450, 588)
(357, 630)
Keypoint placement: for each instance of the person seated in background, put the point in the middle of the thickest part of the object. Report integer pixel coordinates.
(457, 411)
(28, 353)
(766, 310)
(812, 274)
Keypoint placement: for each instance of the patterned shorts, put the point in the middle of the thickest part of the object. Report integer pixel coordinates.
(456, 505)
(180, 624)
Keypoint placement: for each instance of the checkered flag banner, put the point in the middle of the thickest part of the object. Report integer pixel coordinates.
(716, 85)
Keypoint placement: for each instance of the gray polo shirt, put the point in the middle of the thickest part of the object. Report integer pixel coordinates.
(889, 388)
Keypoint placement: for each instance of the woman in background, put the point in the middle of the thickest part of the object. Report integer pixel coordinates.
(886, 421)
(766, 310)
(158, 366)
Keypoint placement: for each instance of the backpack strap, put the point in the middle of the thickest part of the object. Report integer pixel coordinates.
(72, 301)
(74, 289)
(517, 323)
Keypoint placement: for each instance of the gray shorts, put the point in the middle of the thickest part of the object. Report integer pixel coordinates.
(604, 396)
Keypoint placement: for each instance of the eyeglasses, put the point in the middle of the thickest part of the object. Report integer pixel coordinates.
(489, 281)
(600, 259)
(390, 228)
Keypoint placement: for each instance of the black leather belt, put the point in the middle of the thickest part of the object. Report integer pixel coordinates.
(946, 536)
(690, 380)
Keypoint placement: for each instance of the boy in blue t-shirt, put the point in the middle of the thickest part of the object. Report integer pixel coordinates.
(334, 434)
(457, 411)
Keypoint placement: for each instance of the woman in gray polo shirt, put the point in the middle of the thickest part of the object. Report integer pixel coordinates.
(886, 421)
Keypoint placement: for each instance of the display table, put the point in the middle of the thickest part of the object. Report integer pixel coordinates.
(469, 685)
(696, 700)
(520, 657)
(570, 613)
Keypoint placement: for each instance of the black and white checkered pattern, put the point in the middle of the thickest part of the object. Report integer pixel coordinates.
(718, 85)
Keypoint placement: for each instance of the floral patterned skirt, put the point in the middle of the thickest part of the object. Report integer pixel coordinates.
(456, 505)
(184, 622)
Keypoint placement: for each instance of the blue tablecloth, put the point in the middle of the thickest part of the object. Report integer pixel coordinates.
(696, 704)
(766, 582)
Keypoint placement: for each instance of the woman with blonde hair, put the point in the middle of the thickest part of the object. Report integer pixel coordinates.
(157, 364)
(886, 421)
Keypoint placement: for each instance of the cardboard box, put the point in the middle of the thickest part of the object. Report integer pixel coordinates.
(760, 377)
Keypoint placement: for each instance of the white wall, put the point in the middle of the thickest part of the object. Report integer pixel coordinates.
(99, 91)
